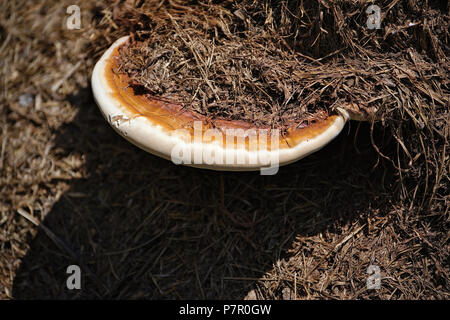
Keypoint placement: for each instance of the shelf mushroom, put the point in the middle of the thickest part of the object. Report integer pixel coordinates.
(172, 132)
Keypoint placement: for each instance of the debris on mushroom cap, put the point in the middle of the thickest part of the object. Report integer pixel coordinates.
(235, 79)
(153, 124)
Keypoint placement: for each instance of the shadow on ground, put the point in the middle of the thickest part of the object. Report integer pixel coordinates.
(141, 227)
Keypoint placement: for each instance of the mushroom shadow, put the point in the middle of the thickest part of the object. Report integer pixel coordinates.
(141, 227)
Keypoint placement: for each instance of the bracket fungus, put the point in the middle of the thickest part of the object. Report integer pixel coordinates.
(168, 130)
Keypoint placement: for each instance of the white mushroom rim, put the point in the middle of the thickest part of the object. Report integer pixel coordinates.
(191, 143)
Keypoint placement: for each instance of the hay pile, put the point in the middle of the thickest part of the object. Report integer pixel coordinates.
(73, 192)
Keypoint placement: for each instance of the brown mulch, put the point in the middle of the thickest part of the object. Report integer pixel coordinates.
(73, 192)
